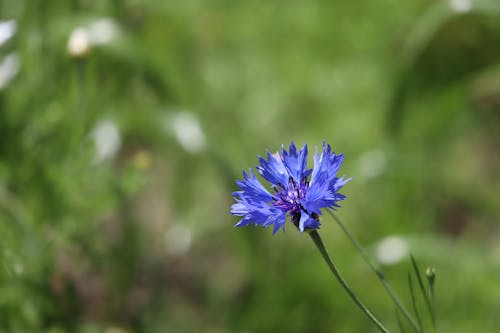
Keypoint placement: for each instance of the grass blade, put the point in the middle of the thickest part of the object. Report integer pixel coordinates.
(424, 292)
(413, 300)
(431, 277)
(377, 272)
(321, 247)
(400, 324)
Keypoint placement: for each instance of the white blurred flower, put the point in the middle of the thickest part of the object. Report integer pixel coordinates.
(78, 43)
(178, 239)
(372, 163)
(7, 30)
(188, 132)
(391, 250)
(96, 33)
(102, 31)
(9, 67)
(18, 268)
(107, 139)
(461, 6)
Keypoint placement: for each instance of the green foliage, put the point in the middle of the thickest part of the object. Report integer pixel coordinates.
(142, 241)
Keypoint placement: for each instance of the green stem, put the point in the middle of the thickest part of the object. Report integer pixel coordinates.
(79, 124)
(431, 276)
(400, 324)
(319, 244)
(433, 310)
(424, 293)
(413, 299)
(378, 272)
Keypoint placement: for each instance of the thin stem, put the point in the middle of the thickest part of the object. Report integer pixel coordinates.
(80, 67)
(431, 276)
(79, 117)
(319, 244)
(424, 292)
(400, 324)
(433, 309)
(413, 299)
(378, 272)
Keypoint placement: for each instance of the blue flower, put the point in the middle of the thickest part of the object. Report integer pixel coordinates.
(297, 191)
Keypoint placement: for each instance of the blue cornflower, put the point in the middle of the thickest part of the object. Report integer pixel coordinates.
(298, 191)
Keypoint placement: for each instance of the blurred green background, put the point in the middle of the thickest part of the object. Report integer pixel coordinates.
(123, 125)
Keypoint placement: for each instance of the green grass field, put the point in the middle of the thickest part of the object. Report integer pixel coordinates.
(124, 124)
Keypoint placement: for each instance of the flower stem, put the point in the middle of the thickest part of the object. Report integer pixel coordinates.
(433, 309)
(79, 124)
(413, 299)
(431, 276)
(377, 272)
(425, 295)
(319, 244)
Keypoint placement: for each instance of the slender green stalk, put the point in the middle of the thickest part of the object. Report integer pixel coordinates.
(78, 124)
(319, 244)
(413, 299)
(400, 324)
(80, 68)
(378, 272)
(81, 95)
(424, 293)
(431, 276)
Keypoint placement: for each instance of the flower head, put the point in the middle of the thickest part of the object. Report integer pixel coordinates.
(297, 191)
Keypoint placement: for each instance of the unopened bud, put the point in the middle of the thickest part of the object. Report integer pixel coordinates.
(78, 43)
(430, 273)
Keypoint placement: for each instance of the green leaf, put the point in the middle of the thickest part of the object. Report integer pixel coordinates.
(423, 291)
(413, 300)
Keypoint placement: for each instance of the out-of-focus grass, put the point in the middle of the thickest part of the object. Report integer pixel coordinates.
(141, 240)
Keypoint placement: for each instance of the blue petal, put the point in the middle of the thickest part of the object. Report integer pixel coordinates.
(279, 221)
(307, 222)
(239, 209)
(273, 170)
(335, 162)
(318, 195)
(296, 163)
(338, 183)
(311, 224)
(252, 189)
(324, 184)
(319, 165)
(258, 214)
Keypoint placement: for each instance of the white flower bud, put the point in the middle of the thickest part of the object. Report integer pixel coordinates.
(78, 43)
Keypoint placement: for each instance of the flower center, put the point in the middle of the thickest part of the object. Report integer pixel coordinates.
(290, 197)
